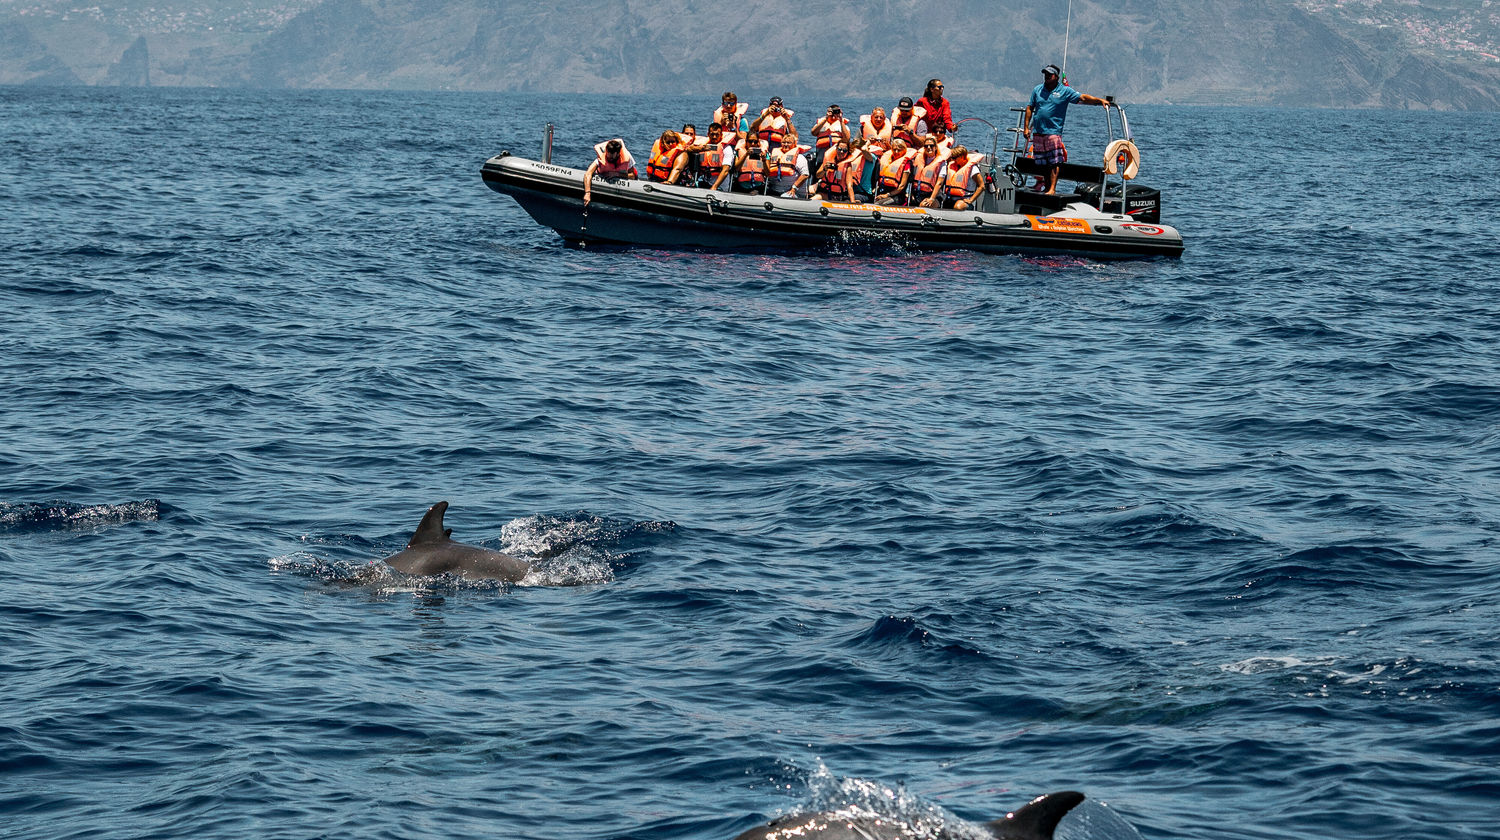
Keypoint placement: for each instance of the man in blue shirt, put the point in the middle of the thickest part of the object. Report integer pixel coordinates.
(1044, 122)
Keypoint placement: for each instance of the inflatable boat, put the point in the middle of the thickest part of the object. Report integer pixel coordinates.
(1102, 219)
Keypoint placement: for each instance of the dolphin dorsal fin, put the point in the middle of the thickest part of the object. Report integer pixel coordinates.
(1037, 819)
(431, 529)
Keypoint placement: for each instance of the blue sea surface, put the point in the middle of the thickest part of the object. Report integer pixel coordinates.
(1215, 540)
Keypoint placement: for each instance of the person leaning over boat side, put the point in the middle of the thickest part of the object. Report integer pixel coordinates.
(962, 181)
(611, 160)
(773, 122)
(894, 174)
(1043, 122)
(828, 130)
(787, 169)
(938, 111)
(667, 159)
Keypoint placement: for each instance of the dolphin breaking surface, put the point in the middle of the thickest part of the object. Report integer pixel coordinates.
(432, 551)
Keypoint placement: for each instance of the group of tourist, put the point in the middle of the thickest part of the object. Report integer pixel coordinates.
(904, 158)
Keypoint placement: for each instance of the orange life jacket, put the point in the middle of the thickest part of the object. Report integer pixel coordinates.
(892, 169)
(771, 129)
(956, 182)
(731, 124)
(925, 176)
(659, 168)
(782, 165)
(833, 176)
(752, 173)
(605, 169)
(832, 129)
(868, 130)
(713, 159)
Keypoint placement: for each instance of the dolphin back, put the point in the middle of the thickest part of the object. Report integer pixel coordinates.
(1037, 819)
(431, 552)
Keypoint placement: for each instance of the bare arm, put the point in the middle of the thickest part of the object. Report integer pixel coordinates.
(1091, 100)
(588, 180)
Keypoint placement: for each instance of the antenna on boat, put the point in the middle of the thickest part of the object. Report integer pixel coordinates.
(1067, 31)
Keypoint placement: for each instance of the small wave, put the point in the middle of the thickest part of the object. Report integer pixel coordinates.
(1462, 402)
(1152, 525)
(1331, 567)
(73, 516)
(901, 632)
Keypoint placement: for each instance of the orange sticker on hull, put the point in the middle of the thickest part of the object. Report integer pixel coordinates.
(1049, 224)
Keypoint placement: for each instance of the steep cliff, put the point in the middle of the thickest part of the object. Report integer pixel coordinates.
(134, 67)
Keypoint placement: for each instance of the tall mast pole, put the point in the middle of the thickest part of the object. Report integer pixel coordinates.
(1067, 31)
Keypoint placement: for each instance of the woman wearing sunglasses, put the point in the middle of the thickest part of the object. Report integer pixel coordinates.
(939, 110)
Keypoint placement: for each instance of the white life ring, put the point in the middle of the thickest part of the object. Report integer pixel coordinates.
(1132, 159)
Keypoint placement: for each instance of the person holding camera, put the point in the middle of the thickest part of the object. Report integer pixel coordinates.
(828, 132)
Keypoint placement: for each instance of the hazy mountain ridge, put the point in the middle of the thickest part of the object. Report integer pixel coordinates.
(1358, 53)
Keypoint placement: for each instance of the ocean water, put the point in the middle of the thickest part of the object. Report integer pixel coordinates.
(1214, 540)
